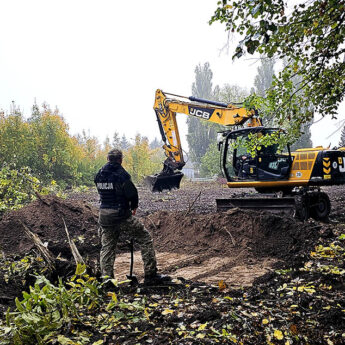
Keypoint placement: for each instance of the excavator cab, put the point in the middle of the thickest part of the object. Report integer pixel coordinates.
(268, 164)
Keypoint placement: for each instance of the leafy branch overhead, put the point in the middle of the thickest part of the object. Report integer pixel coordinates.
(310, 37)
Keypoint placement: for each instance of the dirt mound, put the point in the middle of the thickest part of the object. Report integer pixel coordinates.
(261, 234)
(45, 218)
(237, 246)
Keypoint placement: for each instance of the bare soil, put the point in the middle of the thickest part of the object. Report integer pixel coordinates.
(192, 240)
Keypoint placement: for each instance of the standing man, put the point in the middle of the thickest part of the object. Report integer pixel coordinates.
(119, 202)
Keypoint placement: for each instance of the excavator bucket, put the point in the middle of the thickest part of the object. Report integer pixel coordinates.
(161, 182)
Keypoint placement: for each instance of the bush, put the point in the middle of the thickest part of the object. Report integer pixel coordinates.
(70, 313)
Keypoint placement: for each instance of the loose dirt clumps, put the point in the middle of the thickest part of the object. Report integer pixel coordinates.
(45, 218)
(191, 241)
(261, 234)
(236, 246)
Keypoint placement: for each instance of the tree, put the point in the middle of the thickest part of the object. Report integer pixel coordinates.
(311, 36)
(116, 143)
(42, 143)
(140, 160)
(93, 157)
(56, 152)
(90, 145)
(263, 80)
(35, 113)
(155, 144)
(304, 141)
(342, 138)
(107, 145)
(202, 87)
(16, 144)
(124, 143)
(200, 133)
(17, 186)
(210, 162)
(232, 94)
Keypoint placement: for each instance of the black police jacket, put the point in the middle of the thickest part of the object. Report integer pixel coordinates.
(116, 189)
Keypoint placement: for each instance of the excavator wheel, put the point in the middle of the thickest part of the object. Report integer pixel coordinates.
(161, 182)
(321, 206)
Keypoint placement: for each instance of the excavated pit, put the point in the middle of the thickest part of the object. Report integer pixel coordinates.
(237, 246)
(195, 242)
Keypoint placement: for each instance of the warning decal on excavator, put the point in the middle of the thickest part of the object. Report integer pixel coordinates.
(326, 166)
(326, 177)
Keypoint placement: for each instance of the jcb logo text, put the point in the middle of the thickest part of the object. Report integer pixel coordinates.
(200, 113)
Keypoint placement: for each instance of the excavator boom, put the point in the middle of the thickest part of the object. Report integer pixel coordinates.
(166, 109)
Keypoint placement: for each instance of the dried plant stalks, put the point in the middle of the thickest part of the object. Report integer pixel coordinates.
(232, 239)
(192, 204)
(76, 255)
(46, 254)
(39, 196)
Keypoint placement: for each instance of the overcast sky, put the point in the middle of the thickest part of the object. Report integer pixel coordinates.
(100, 62)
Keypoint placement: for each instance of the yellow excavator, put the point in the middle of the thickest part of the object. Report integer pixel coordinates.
(284, 180)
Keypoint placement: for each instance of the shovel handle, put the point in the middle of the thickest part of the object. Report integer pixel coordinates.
(132, 258)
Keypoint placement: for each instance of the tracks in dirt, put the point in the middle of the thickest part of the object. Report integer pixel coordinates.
(206, 268)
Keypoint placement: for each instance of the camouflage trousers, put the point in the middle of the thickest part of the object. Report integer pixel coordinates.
(110, 231)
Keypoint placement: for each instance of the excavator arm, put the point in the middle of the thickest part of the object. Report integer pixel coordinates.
(296, 177)
(166, 109)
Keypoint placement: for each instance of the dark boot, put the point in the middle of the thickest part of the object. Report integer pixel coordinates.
(109, 286)
(157, 279)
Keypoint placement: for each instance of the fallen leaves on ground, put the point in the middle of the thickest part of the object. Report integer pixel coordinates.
(295, 305)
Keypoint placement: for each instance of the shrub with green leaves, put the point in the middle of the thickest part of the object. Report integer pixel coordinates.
(17, 187)
(71, 312)
(309, 36)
